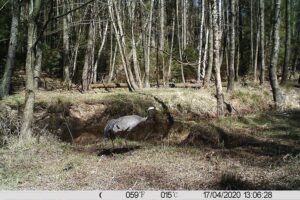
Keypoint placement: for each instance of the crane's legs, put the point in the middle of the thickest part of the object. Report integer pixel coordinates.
(113, 145)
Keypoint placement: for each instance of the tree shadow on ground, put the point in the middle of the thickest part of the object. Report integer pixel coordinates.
(264, 142)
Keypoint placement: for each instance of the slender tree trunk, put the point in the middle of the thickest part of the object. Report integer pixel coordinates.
(231, 76)
(134, 51)
(205, 55)
(121, 42)
(218, 82)
(207, 77)
(262, 41)
(171, 51)
(95, 67)
(251, 33)
(66, 45)
(124, 47)
(26, 128)
(75, 53)
(88, 58)
(200, 40)
(179, 40)
(148, 50)
(285, 69)
(5, 82)
(162, 38)
(256, 48)
(184, 24)
(37, 64)
(112, 64)
(277, 93)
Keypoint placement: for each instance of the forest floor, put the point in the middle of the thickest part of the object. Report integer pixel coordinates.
(263, 151)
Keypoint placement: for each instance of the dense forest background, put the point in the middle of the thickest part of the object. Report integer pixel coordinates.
(148, 43)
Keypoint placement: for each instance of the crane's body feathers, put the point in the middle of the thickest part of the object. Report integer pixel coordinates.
(123, 125)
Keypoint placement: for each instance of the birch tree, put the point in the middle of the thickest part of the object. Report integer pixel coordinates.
(216, 49)
(262, 40)
(285, 68)
(33, 10)
(231, 75)
(277, 93)
(6, 80)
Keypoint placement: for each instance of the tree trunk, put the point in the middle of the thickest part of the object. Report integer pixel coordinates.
(123, 47)
(88, 58)
(179, 40)
(112, 63)
(134, 51)
(5, 82)
(148, 50)
(162, 38)
(262, 41)
(95, 67)
(285, 69)
(277, 93)
(218, 82)
(37, 64)
(205, 55)
(231, 76)
(251, 34)
(26, 128)
(121, 42)
(66, 50)
(200, 40)
(184, 24)
(256, 48)
(207, 77)
(169, 75)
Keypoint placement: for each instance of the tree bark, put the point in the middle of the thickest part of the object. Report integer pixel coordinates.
(121, 42)
(169, 75)
(285, 69)
(180, 44)
(162, 38)
(184, 24)
(231, 76)
(148, 50)
(277, 93)
(200, 40)
(256, 48)
(5, 82)
(88, 58)
(218, 81)
(26, 128)
(207, 77)
(205, 55)
(133, 42)
(95, 67)
(251, 34)
(37, 64)
(262, 41)
(112, 63)
(66, 45)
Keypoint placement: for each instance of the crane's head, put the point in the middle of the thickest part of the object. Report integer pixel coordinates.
(150, 112)
(150, 108)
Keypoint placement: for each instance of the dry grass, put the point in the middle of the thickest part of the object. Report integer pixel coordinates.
(262, 153)
(271, 162)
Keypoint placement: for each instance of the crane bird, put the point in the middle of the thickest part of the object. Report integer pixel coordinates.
(123, 125)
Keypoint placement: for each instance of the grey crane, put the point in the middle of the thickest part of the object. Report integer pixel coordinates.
(123, 125)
